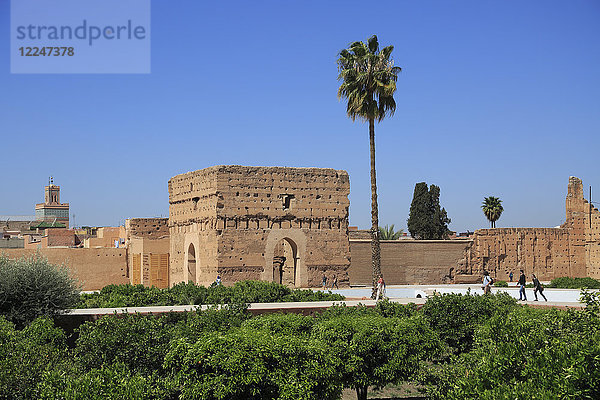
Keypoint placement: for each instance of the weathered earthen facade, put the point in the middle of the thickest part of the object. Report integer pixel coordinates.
(571, 250)
(287, 225)
(148, 245)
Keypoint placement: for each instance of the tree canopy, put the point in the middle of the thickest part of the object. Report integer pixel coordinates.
(492, 209)
(427, 220)
(388, 233)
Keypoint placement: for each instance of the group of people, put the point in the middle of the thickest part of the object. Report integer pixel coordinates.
(537, 286)
(334, 282)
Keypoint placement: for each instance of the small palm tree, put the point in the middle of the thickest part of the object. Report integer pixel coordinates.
(492, 209)
(388, 233)
(369, 78)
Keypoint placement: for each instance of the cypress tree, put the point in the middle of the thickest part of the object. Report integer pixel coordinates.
(427, 220)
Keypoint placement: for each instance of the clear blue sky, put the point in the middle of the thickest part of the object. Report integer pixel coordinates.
(496, 98)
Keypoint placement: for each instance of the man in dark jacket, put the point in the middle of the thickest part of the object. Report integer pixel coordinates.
(522, 282)
(537, 287)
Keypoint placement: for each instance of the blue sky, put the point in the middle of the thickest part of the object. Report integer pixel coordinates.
(495, 98)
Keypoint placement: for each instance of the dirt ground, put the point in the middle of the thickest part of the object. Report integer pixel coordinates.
(390, 392)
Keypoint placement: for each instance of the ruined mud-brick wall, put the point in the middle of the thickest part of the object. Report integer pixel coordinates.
(546, 252)
(584, 222)
(148, 247)
(93, 268)
(238, 215)
(571, 250)
(408, 262)
(150, 228)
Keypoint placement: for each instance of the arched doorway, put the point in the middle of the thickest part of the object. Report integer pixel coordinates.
(285, 262)
(191, 263)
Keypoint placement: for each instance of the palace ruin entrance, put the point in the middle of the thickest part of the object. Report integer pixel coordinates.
(191, 264)
(285, 261)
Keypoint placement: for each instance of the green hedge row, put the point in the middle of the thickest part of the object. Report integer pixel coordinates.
(188, 293)
(575, 283)
(227, 354)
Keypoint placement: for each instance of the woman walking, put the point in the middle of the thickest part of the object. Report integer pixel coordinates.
(537, 287)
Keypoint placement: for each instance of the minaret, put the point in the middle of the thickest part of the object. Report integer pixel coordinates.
(52, 211)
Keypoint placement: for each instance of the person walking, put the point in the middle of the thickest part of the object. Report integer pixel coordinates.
(324, 282)
(334, 282)
(487, 283)
(521, 284)
(380, 289)
(510, 276)
(218, 280)
(537, 287)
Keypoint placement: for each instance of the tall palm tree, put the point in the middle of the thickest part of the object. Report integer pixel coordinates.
(492, 209)
(369, 78)
(388, 233)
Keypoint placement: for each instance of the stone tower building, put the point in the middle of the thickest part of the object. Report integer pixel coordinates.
(286, 225)
(52, 210)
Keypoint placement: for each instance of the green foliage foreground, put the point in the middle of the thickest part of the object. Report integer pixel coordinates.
(575, 283)
(189, 293)
(456, 347)
(31, 287)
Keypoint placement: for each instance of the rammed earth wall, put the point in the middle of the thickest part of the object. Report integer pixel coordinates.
(277, 224)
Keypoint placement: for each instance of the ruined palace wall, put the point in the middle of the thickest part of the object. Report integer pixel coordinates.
(547, 252)
(264, 205)
(150, 228)
(238, 214)
(592, 253)
(584, 221)
(148, 246)
(94, 268)
(193, 202)
(407, 262)
(571, 250)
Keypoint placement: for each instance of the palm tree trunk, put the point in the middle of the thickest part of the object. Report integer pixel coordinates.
(375, 250)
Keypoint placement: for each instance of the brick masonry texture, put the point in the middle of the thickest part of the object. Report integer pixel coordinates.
(278, 224)
(571, 250)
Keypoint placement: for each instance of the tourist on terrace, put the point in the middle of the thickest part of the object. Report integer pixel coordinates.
(334, 282)
(324, 282)
(521, 284)
(537, 287)
(380, 289)
(487, 283)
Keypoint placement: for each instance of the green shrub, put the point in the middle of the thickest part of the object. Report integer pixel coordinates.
(26, 355)
(455, 316)
(246, 364)
(501, 284)
(575, 283)
(191, 325)
(138, 341)
(389, 309)
(187, 293)
(32, 287)
(374, 351)
(528, 353)
(281, 324)
(111, 382)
